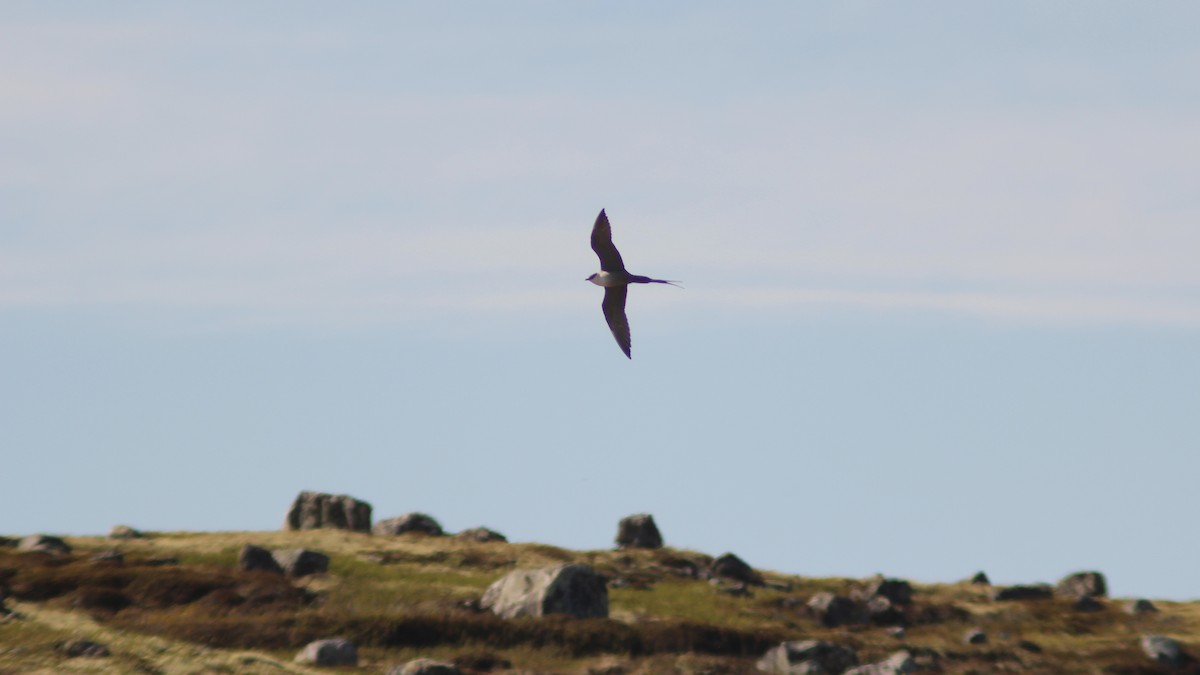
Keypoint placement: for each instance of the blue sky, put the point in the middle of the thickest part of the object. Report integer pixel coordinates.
(941, 310)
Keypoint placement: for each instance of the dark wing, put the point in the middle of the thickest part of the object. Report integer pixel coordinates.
(610, 260)
(614, 313)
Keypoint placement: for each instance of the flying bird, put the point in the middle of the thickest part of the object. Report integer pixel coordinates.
(615, 280)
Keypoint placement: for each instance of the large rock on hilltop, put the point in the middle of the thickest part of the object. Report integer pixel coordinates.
(1082, 585)
(481, 535)
(638, 531)
(576, 590)
(45, 543)
(315, 510)
(729, 566)
(257, 558)
(409, 522)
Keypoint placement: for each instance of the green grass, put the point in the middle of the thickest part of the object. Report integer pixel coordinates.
(401, 597)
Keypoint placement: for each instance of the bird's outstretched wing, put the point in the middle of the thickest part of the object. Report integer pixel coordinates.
(614, 313)
(610, 260)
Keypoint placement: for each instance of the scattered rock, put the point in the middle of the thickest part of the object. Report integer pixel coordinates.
(1029, 592)
(781, 586)
(975, 637)
(301, 562)
(257, 558)
(74, 648)
(981, 579)
(44, 543)
(881, 612)
(426, 667)
(897, 632)
(1083, 585)
(730, 566)
(1030, 646)
(481, 535)
(124, 532)
(409, 522)
(808, 656)
(896, 664)
(834, 610)
(638, 531)
(109, 557)
(315, 510)
(571, 589)
(1087, 603)
(1164, 650)
(165, 561)
(898, 591)
(1140, 606)
(332, 652)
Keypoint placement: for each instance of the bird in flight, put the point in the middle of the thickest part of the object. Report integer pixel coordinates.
(615, 280)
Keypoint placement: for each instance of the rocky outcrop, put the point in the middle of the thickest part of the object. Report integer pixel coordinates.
(1140, 606)
(808, 656)
(638, 531)
(409, 522)
(332, 652)
(301, 562)
(481, 535)
(576, 590)
(316, 510)
(124, 532)
(897, 591)
(729, 566)
(1164, 650)
(44, 543)
(255, 558)
(426, 667)
(1083, 585)
(834, 610)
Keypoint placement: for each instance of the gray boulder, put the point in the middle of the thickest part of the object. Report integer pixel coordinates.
(426, 667)
(834, 610)
(896, 664)
(332, 652)
(254, 558)
(1140, 606)
(110, 557)
(409, 522)
(301, 562)
(808, 656)
(1083, 585)
(729, 566)
(1164, 650)
(44, 543)
(315, 510)
(124, 532)
(576, 590)
(481, 535)
(638, 531)
(898, 591)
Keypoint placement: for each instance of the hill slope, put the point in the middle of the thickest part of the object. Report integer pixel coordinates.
(176, 603)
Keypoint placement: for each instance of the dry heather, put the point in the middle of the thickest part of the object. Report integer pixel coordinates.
(177, 604)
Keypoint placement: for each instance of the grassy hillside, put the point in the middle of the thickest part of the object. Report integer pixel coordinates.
(178, 604)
